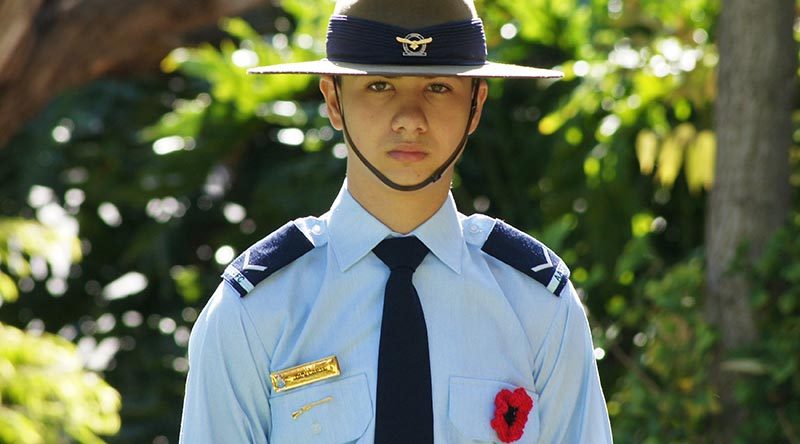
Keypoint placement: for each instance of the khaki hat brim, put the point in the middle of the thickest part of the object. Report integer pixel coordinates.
(487, 70)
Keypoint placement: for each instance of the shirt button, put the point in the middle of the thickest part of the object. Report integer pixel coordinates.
(474, 229)
(316, 229)
(316, 428)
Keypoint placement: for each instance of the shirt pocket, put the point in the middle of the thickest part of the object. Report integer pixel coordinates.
(471, 409)
(337, 412)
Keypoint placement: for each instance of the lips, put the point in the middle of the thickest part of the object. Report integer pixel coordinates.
(408, 152)
(407, 156)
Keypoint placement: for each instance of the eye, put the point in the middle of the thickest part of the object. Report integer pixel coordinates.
(439, 88)
(379, 86)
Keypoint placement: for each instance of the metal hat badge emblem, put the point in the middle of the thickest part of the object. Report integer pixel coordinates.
(414, 44)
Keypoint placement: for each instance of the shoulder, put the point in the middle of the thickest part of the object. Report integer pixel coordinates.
(516, 249)
(274, 252)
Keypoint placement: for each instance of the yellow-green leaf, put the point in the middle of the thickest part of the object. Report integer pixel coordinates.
(684, 133)
(669, 161)
(8, 288)
(550, 123)
(641, 224)
(646, 150)
(705, 146)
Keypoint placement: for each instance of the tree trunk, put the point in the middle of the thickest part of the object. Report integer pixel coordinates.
(47, 46)
(750, 199)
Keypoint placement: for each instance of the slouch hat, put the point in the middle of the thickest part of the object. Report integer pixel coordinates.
(407, 38)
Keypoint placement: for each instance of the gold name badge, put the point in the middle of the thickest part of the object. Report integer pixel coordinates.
(304, 374)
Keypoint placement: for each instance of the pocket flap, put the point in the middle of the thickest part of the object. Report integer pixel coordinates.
(471, 409)
(342, 418)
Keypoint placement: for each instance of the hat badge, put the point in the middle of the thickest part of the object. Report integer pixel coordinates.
(414, 44)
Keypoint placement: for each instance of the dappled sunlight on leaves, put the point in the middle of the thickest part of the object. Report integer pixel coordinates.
(666, 392)
(24, 244)
(46, 395)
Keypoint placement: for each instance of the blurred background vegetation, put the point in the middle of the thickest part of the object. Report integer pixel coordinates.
(124, 199)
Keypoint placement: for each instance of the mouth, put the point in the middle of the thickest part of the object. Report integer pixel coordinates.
(408, 152)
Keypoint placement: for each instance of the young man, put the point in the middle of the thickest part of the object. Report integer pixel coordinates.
(393, 318)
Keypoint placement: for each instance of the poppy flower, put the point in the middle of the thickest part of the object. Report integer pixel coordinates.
(511, 413)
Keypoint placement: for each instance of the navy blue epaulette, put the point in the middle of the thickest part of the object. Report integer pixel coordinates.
(265, 257)
(528, 255)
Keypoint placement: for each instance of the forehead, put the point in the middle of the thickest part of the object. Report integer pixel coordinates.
(409, 79)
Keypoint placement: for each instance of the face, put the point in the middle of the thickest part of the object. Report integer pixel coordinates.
(407, 127)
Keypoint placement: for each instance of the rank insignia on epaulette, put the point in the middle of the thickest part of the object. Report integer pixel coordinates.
(528, 255)
(267, 256)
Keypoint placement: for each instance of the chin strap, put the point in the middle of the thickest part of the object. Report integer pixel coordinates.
(437, 174)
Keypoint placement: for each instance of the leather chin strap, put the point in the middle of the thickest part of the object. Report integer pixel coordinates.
(437, 174)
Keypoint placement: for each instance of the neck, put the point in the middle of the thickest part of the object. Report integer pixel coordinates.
(401, 211)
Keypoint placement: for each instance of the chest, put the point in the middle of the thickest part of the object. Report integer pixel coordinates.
(478, 346)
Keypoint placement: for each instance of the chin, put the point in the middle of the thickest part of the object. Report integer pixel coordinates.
(405, 177)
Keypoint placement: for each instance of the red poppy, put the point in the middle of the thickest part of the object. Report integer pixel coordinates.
(511, 413)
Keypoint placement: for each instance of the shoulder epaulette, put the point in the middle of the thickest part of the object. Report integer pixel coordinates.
(528, 255)
(265, 257)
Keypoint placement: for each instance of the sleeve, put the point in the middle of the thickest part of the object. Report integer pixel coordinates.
(572, 408)
(226, 396)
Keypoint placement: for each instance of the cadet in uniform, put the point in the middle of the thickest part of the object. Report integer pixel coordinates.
(393, 318)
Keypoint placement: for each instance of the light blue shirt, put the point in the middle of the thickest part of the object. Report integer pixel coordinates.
(490, 327)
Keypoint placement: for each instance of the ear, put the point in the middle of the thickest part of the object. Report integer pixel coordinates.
(483, 93)
(328, 89)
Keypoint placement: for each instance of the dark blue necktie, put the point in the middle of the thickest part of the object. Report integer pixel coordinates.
(404, 411)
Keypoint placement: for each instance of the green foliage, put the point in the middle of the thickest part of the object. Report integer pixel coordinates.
(771, 377)
(23, 240)
(666, 395)
(46, 396)
(225, 70)
(649, 72)
(187, 283)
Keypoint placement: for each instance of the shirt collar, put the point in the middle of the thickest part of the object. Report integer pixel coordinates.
(353, 232)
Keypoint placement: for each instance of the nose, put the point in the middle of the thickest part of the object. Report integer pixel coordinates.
(410, 118)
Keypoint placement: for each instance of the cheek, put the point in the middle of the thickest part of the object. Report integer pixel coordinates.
(453, 116)
(369, 119)
(368, 111)
(365, 125)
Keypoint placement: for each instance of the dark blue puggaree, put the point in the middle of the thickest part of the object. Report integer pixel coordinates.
(356, 40)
